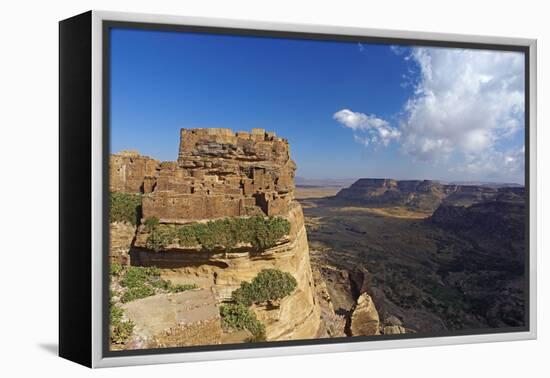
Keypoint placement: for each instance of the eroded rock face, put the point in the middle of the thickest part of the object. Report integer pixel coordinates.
(423, 195)
(132, 173)
(121, 237)
(420, 194)
(220, 174)
(332, 324)
(365, 320)
(295, 316)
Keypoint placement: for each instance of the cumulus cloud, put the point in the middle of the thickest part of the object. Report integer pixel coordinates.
(368, 129)
(465, 102)
(466, 110)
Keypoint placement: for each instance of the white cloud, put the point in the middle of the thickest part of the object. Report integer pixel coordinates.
(368, 129)
(465, 103)
(514, 161)
(465, 113)
(494, 164)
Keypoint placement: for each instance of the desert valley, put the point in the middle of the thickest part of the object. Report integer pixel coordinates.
(437, 257)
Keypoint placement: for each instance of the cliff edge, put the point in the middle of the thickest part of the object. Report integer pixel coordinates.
(219, 176)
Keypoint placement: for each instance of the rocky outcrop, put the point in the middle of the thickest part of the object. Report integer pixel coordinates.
(423, 195)
(183, 319)
(364, 319)
(122, 236)
(131, 172)
(332, 324)
(296, 316)
(420, 194)
(466, 195)
(222, 174)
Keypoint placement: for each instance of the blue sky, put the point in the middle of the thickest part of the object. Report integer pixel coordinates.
(349, 110)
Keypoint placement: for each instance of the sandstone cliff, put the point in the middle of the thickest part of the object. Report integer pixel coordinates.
(219, 175)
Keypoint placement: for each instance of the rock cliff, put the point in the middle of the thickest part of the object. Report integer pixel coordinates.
(220, 175)
(421, 195)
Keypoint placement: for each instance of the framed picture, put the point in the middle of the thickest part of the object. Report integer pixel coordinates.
(232, 189)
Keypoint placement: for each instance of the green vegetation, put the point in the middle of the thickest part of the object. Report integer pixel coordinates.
(137, 292)
(141, 282)
(151, 222)
(136, 282)
(125, 207)
(261, 232)
(168, 286)
(120, 329)
(268, 285)
(238, 316)
(135, 276)
(115, 269)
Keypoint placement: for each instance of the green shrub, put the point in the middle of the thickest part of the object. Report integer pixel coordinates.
(151, 222)
(125, 207)
(261, 232)
(268, 285)
(137, 292)
(204, 235)
(115, 269)
(160, 237)
(138, 276)
(168, 286)
(186, 237)
(120, 329)
(238, 316)
(141, 282)
(268, 231)
(178, 288)
(245, 228)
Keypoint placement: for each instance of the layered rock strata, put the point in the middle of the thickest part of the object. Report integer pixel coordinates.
(423, 195)
(221, 174)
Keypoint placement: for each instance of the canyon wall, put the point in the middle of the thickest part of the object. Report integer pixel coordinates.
(422, 195)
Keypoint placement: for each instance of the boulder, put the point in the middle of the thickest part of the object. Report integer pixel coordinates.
(393, 330)
(364, 319)
(181, 319)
